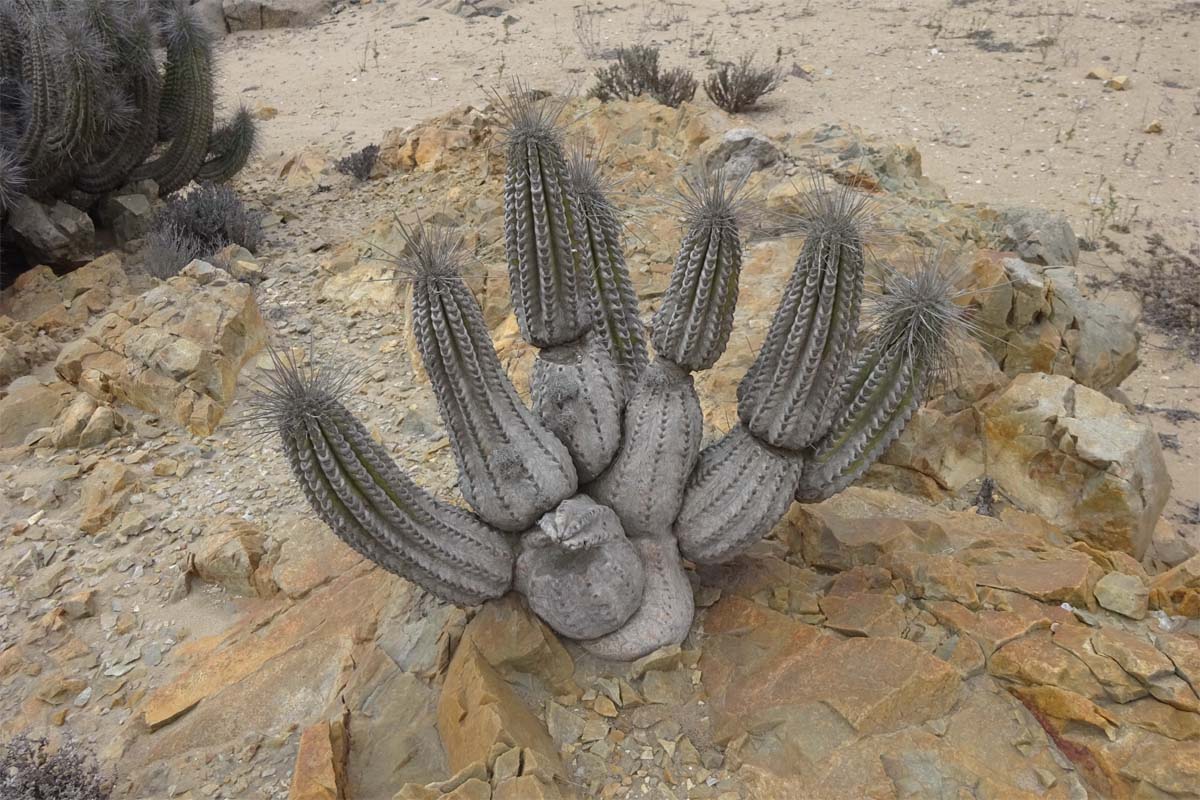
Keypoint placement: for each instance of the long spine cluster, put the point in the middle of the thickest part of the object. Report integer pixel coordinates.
(359, 492)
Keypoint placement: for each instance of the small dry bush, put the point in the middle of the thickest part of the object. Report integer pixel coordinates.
(637, 72)
(198, 224)
(29, 770)
(360, 164)
(737, 87)
(1168, 280)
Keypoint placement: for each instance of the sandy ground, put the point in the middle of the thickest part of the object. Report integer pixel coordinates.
(993, 93)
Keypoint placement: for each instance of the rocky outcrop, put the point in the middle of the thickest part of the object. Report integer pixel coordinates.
(255, 15)
(174, 351)
(52, 234)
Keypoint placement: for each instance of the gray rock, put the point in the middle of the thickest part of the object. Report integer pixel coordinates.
(59, 234)
(1127, 595)
(1039, 236)
(127, 215)
(742, 151)
(256, 15)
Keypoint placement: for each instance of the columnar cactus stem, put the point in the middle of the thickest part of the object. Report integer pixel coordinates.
(614, 304)
(578, 571)
(359, 492)
(188, 93)
(577, 394)
(693, 324)
(541, 225)
(665, 615)
(740, 488)
(783, 399)
(663, 428)
(912, 343)
(229, 148)
(512, 470)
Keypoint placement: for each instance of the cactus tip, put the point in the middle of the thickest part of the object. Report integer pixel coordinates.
(181, 26)
(432, 254)
(838, 210)
(528, 115)
(583, 169)
(293, 391)
(921, 309)
(715, 198)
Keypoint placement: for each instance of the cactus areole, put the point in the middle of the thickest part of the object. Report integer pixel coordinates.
(588, 502)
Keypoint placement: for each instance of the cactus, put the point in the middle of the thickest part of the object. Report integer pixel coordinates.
(359, 492)
(605, 566)
(512, 469)
(911, 345)
(613, 301)
(82, 100)
(578, 571)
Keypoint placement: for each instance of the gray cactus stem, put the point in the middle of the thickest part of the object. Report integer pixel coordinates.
(663, 428)
(665, 615)
(740, 488)
(355, 488)
(512, 469)
(614, 303)
(783, 397)
(578, 395)
(578, 571)
(883, 390)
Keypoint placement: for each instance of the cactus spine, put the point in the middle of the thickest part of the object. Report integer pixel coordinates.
(359, 492)
(512, 469)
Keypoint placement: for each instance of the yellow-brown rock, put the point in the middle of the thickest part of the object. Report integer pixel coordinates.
(321, 763)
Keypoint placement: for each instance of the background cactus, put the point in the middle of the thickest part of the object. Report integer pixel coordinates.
(83, 102)
(821, 401)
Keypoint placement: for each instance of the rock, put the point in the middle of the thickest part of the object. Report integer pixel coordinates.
(1099, 74)
(72, 421)
(127, 216)
(231, 554)
(1125, 594)
(80, 605)
(1079, 460)
(30, 405)
(1056, 577)
(255, 15)
(58, 234)
(303, 169)
(174, 351)
(1177, 591)
(1155, 126)
(104, 493)
(516, 643)
(862, 614)
(321, 763)
(1170, 546)
(740, 152)
(1118, 83)
(478, 709)
(45, 581)
(1039, 236)
(104, 424)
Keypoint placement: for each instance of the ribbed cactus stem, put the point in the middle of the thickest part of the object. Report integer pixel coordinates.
(541, 225)
(614, 304)
(35, 70)
(739, 489)
(229, 148)
(578, 571)
(512, 469)
(578, 396)
(665, 614)
(188, 93)
(358, 491)
(783, 398)
(692, 326)
(663, 428)
(911, 344)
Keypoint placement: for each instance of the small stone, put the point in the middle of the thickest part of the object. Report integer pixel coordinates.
(1099, 74)
(1118, 83)
(1155, 126)
(1125, 594)
(605, 707)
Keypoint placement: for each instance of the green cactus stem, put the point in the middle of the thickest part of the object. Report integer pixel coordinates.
(512, 469)
(229, 148)
(692, 326)
(614, 304)
(740, 488)
(188, 94)
(541, 224)
(359, 492)
(783, 398)
(912, 344)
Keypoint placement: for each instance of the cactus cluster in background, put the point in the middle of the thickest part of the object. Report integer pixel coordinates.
(85, 106)
(589, 502)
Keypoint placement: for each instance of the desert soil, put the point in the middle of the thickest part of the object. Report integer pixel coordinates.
(995, 95)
